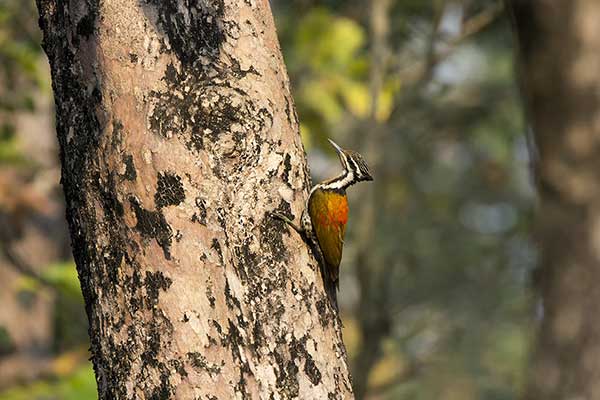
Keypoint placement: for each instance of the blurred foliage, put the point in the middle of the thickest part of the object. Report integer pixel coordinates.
(452, 191)
(21, 72)
(20, 55)
(63, 276)
(70, 322)
(69, 376)
(9, 148)
(79, 385)
(328, 57)
(6, 342)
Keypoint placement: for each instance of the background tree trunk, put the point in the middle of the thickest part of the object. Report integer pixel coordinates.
(560, 53)
(372, 269)
(178, 133)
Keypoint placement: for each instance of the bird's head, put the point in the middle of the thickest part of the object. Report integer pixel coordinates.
(353, 162)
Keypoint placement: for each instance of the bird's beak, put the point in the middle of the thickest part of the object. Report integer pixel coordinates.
(369, 177)
(335, 146)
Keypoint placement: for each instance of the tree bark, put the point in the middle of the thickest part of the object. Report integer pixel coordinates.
(559, 46)
(178, 134)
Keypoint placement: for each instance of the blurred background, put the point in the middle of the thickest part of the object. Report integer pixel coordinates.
(435, 292)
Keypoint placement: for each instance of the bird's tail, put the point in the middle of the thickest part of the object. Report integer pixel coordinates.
(332, 289)
(329, 274)
(332, 284)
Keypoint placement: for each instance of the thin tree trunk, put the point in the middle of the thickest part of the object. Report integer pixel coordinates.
(560, 62)
(178, 134)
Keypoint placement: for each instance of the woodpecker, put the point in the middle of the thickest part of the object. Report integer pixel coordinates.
(323, 221)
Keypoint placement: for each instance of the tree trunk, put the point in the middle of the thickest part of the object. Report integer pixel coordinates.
(178, 134)
(560, 60)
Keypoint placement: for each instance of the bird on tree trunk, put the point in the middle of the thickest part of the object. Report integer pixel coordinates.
(323, 221)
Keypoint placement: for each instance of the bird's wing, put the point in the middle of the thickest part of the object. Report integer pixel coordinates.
(329, 224)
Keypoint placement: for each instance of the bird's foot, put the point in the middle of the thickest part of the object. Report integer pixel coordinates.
(287, 221)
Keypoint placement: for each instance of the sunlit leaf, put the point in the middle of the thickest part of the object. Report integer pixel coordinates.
(328, 42)
(315, 95)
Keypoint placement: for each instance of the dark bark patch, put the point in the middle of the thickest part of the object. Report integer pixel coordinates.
(133, 283)
(153, 225)
(178, 366)
(247, 260)
(271, 235)
(240, 386)
(119, 357)
(87, 25)
(298, 350)
(200, 107)
(198, 115)
(216, 246)
(212, 341)
(96, 94)
(311, 370)
(258, 332)
(217, 326)
(230, 299)
(152, 345)
(116, 139)
(113, 255)
(209, 295)
(221, 218)
(130, 172)
(133, 58)
(287, 167)
(170, 191)
(200, 216)
(113, 209)
(287, 377)
(215, 120)
(322, 310)
(164, 390)
(200, 363)
(194, 31)
(306, 293)
(154, 282)
(234, 341)
(277, 311)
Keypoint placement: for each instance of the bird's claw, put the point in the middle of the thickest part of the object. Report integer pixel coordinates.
(279, 216)
(285, 219)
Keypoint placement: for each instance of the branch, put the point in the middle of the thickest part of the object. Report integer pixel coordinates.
(418, 72)
(17, 262)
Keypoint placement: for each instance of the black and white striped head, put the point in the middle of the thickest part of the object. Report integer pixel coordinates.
(353, 163)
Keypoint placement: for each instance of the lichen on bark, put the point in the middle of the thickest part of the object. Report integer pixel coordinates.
(178, 135)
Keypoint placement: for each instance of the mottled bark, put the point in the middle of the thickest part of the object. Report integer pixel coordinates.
(178, 134)
(560, 62)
